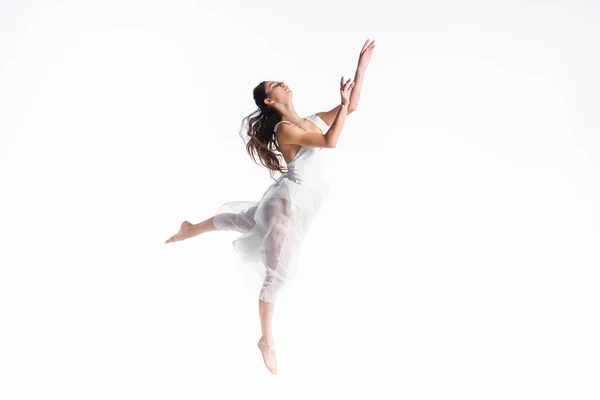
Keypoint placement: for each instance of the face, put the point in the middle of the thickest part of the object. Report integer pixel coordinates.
(277, 92)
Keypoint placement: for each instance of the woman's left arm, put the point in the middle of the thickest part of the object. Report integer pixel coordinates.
(355, 94)
(363, 62)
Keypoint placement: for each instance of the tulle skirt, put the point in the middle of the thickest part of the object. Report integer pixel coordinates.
(273, 229)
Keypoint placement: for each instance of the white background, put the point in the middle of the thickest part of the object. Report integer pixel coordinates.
(457, 256)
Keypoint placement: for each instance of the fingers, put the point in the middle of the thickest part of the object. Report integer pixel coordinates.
(342, 81)
(365, 47)
(347, 86)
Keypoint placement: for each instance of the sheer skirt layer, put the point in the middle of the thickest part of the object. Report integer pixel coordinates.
(273, 230)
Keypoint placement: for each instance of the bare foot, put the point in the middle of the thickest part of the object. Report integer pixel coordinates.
(184, 232)
(267, 348)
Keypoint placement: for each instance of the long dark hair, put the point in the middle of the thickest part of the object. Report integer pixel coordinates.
(259, 135)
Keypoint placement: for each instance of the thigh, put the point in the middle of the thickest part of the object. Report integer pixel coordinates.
(279, 244)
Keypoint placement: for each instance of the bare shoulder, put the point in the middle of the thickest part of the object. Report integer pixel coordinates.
(282, 133)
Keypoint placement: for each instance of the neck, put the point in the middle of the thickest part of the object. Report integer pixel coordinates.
(289, 114)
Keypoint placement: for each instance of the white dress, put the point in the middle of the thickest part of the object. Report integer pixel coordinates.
(274, 228)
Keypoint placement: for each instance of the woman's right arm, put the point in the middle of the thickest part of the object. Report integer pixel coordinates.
(335, 129)
(291, 134)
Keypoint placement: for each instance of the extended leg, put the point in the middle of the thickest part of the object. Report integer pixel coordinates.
(205, 226)
(241, 222)
(188, 230)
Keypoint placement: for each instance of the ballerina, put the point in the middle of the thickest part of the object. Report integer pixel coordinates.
(274, 227)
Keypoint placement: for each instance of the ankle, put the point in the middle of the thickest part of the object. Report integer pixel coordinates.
(267, 340)
(197, 229)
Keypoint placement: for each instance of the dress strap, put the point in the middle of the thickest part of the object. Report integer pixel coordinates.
(277, 124)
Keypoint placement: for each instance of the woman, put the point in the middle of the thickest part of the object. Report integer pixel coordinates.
(274, 227)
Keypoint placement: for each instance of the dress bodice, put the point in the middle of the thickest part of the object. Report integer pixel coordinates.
(309, 163)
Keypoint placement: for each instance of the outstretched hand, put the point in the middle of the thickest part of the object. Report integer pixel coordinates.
(345, 90)
(365, 55)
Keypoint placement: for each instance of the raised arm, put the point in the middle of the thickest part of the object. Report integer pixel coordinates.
(363, 61)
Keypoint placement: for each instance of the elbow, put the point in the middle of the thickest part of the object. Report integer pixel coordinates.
(330, 143)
